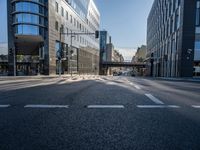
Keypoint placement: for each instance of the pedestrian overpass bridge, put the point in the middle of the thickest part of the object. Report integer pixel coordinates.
(104, 66)
(123, 64)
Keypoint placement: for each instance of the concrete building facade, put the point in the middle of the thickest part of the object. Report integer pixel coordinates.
(140, 55)
(32, 40)
(173, 43)
(108, 53)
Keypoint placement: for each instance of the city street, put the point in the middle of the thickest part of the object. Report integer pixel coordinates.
(99, 113)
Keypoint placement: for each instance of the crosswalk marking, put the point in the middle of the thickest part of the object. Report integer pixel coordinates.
(154, 99)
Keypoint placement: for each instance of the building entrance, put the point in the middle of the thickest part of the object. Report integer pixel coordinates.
(27, 69)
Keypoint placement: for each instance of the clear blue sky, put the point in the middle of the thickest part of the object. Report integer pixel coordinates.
(125, 20)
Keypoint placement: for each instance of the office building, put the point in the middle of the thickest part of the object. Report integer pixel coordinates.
(173, 38)
(104, 40)
(108, 54)
(140, 55)
(30, 37)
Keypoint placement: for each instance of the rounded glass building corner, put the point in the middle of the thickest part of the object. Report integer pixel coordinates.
(30, 25)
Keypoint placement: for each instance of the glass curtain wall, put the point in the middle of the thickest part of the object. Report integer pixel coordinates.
(3, 38)
(197, 42)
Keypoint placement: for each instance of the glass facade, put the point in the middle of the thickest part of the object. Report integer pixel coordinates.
(81, 7)
(3, 38)
(29, 17)
(163, 36)
(197, 41)
(197, 51)
(103, 42)
(29, 7)
(28, 30)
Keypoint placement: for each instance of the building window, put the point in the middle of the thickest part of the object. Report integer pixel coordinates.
(66, 15)
(74, 22)
(71, 20)
(197, 30)
(27, 30)
(56, 7)
(57, 48)
(62, 28)
(77, 24)
(198, 13)
(197, 50)
(56, 25)
(67, 31)
(177, 20)
(62, 11)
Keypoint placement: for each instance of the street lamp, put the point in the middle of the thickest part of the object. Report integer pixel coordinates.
(71, 55)
(12, 53)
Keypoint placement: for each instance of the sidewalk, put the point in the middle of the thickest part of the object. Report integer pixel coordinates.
(4, 78)
(196, 79)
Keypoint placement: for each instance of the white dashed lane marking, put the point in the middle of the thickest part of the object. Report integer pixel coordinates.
(4, 106)
(46, 106)
(105, 106)
(196, 106)
(158, 106)
(154, 99)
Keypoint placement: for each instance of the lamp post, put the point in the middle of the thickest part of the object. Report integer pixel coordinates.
(71, 52)
(12, 54)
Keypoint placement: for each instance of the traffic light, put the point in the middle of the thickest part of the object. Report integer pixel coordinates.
(11, 51)
(97, 34)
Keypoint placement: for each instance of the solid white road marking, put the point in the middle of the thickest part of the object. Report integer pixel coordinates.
(4, 106)
(196, 106)
(105, 106)
(46, 106)
(158, 106)
(154, 99)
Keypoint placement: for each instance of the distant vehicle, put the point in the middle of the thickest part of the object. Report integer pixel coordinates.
(115, 74)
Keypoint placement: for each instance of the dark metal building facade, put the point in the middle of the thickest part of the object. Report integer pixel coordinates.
(172, 33)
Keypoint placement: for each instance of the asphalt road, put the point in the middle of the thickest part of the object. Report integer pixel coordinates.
(99, 113)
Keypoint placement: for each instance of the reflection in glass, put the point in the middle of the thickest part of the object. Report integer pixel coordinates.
(29, 7)
(197, 51)
(27, 30)
(29, 18)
